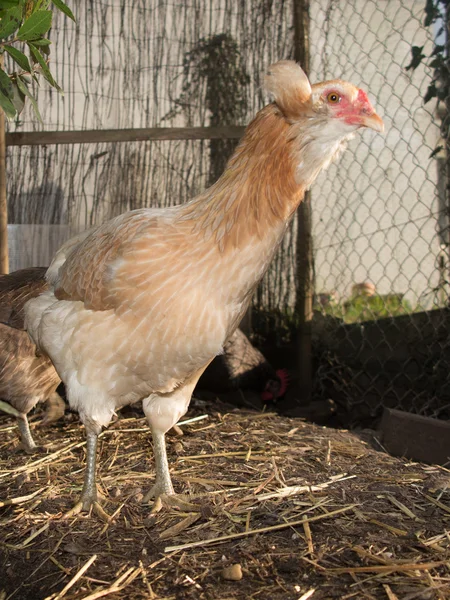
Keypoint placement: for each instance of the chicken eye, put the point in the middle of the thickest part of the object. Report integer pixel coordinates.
(333, 98)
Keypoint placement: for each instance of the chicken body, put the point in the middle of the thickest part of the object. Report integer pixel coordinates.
(25, 379)
(138, 308)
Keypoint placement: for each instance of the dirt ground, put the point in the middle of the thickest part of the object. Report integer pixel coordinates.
(286, 508)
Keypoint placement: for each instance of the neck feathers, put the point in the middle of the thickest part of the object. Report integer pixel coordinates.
(262, 185)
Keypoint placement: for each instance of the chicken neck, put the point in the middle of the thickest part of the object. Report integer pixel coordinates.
(258, 191)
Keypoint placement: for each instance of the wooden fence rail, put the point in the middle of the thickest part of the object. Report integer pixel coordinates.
(95, 136)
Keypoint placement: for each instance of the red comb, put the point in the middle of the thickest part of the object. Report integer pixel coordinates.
(283, 376)
(362, 97)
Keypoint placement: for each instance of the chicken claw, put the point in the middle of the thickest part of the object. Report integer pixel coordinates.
(81, 505)
(173, 501)
(157, 491)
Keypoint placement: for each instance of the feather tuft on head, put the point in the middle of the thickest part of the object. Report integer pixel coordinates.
(290, 87)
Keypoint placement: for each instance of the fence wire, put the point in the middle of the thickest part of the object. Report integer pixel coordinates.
(381, 222)
(380, 215)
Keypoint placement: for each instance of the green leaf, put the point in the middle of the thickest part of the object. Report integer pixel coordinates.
(431, 92)
(44, 50)
(35, 26)
(436, 63)
(21, 84)
(18, 99)
(5, 84)
(7, 106)
(10, 22)
(436, 151)
(64, 8)
(6, 95)
(417, 57)
(45, 70)
(19, 57)
(432, 12)
(438, 49)
(40, 5)
(42, 42)
(7, 4)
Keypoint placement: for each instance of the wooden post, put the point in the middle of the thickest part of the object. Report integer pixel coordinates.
(4, 263)
(446, 135)
(304, 251)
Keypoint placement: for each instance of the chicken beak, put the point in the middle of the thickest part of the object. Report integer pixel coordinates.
(373, 121)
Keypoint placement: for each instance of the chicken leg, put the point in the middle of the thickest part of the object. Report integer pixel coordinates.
(163, 411)
(89, 491)
(88, 497)
(163, 483)
(24, 427)
(25, 434)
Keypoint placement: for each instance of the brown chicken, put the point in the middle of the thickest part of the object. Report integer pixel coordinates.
(25, 379)
(243, 367)
(139, 308)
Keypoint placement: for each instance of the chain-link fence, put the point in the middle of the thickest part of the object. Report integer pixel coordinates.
(381, 221)
(141, 64)
(380, 215)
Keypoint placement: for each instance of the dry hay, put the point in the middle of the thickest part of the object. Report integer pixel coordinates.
(273, 508)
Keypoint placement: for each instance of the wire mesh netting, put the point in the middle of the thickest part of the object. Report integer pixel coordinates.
(381, 221)
(141, 64)
(380, 215)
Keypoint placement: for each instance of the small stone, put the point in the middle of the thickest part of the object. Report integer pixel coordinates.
(178, 447)
(232, 573)
(22, 478)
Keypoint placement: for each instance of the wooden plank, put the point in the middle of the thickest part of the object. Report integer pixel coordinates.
(97, 136)
(416, 437)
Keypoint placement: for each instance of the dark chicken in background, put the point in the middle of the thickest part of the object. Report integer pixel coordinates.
(26, 378)
(243, 376)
